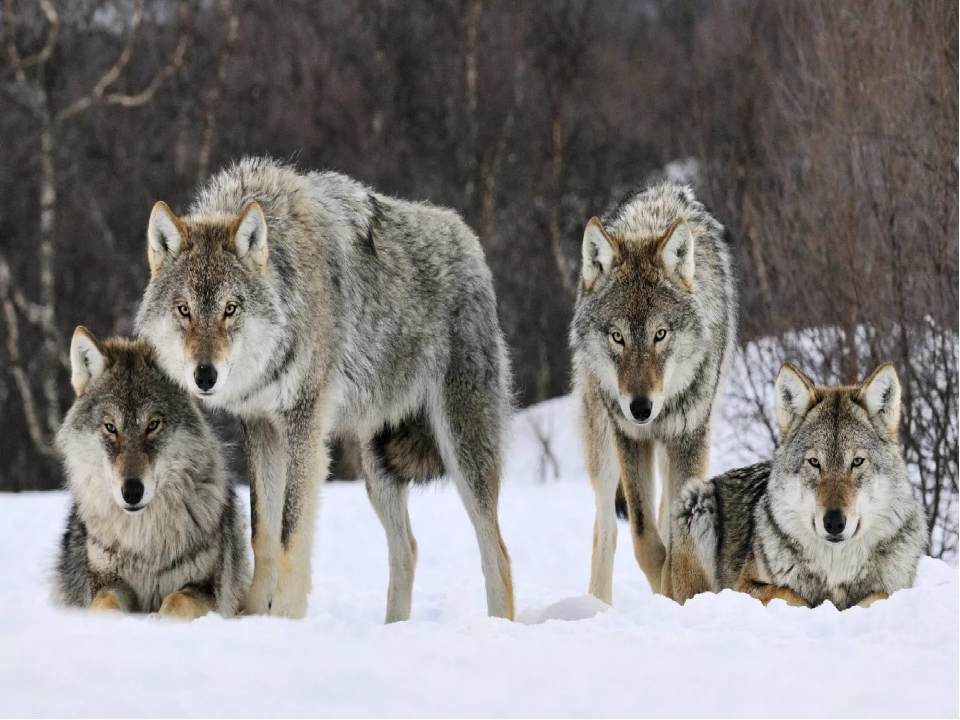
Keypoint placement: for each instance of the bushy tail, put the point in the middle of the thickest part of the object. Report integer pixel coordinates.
(695, 522)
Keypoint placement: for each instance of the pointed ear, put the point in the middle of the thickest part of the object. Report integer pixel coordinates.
(880, 394)
(87, 359)
(600, 252)
(676, 251)
(166, 237)
(795, 394)
(249, 237)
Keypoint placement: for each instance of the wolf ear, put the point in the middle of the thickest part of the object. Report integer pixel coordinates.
(166, 237)
(600, 251)
(676, 251)
(795, 395)
(87, 359)
(880, 394)
(250, 237)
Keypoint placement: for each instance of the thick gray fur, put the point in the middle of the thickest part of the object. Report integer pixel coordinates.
(190, 536)
(373, 317)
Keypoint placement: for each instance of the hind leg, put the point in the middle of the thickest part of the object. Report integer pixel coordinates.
(468, 433)
(388, 494)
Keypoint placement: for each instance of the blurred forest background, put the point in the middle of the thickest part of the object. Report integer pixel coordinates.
(823, 133)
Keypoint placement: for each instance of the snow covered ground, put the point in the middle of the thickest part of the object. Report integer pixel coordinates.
(569, 655)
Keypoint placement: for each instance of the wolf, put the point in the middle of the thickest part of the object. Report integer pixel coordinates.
(832, 517)
(652, 337)
(155, 525)
(310, 306)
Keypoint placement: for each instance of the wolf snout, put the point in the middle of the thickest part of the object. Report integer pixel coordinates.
(641, 408)
(206, 377)
(132, 491)
(834, 522)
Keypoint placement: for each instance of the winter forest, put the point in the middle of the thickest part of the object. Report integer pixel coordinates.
(822, 133)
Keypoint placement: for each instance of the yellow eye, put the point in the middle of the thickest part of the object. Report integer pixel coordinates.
(857, 461)
(617, 337)
(661, 334)
(814, 462)
(230, 309)
(184, 310)
(110, 428)
(154, 424)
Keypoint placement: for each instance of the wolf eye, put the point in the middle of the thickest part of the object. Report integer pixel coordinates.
(617, 337)
(110, 428)
(661, 334)
(230, 309)
(154, 424)
(814, 462)
(857, 461)
(184, 310)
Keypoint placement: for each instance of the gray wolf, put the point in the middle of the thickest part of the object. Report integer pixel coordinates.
(652, 338)
(309, 305)
(155, 525)
(832, 517)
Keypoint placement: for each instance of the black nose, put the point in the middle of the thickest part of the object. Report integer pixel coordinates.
(641, 408)
(205, 377)
(132, 491)
(834, 521)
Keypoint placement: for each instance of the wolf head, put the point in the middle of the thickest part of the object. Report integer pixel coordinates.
(839, 471)
(131, 431)
(638, 318)
(208, 308)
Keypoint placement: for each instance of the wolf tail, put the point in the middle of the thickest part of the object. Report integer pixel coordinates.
(696, 521)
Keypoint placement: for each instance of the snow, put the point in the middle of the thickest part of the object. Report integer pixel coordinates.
(568, 654)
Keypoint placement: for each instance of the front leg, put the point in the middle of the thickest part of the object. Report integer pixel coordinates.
(753, 583)
(872, 598)
(307, 463)
(603, 468)
(637, 477)
(266, 447)
(686, 459)
(189, 603)
(115, 597)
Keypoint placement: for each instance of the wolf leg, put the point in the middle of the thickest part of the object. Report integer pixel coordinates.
(686, 461)
(117, 598)
(872, 598)
(187, 604)
(468, 432)
(307, 464)
(603, 468)
(637, 476)
(388, 494)
(266, 458)
(751, 583)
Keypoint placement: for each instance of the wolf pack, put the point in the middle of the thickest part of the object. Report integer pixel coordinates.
(312, 308)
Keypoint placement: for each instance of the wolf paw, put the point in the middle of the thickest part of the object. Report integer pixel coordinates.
(259, 597)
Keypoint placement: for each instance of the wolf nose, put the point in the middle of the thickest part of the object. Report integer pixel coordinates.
(132, 491)
(641, 408)
(205, 377)
(834, 521)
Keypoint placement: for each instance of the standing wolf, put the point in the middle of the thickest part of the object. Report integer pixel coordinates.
(652, 337)
(155, 525)
(833, 517)
(308, 304)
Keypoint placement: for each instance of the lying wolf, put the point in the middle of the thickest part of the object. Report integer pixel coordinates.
(833, 517)
(155, 525)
